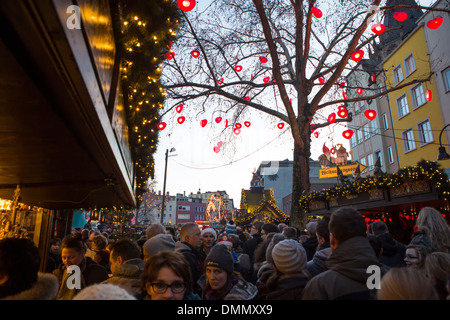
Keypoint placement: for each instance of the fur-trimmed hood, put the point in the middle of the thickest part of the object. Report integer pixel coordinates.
(46, 288)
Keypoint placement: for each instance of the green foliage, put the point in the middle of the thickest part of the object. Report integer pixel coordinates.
(147, 29)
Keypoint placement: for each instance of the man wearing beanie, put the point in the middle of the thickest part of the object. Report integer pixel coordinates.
(159, 242)
(222, 282)
(290, 277)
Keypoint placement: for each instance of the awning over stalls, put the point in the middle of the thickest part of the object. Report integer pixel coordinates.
(63, 135)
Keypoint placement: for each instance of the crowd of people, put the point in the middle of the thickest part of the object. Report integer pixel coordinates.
(331, 259)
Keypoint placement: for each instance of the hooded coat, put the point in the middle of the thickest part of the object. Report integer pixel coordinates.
(46, 288)
(393, 251)
(91, 273)
(346, 277)
(317, 264)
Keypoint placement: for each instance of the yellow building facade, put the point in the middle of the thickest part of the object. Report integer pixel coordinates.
(417, 120)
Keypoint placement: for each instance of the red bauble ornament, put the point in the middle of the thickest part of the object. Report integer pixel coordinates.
(378, 28)
(220, 82)
(237, 131)
(218, 119)
(373, 77)
(226, 123)
(195, 53)
(370, 114)
(347, 134)
(263, 59)
(344, 94)
(332, 118)
(316, 12)
(359, 91)
(316, 134)
(429, 95)
(342, 85)
(400, 16)
(321, 80)
(238, 125)
(162, 126)
(203, 123)
(266, 79)
(246, 98)
(357, 55)
(186, 5)
(280, 125)
(238, 68)
(332, 151)
(247, 124)
(181, 119)
(435, 23)
(216, 149)
(179, 108)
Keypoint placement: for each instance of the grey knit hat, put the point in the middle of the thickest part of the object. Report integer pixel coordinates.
(158, 243)
(220, 257)
(289, 256)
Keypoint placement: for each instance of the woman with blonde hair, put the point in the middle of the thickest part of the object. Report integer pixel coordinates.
(432, 230)
(437, 269)
(406, 284)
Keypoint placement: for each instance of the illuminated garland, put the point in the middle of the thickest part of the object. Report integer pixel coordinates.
(147, 29)
(424, 171)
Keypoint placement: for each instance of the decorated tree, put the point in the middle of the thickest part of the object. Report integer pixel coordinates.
(287, 59)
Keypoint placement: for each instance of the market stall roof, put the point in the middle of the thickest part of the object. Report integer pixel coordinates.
(56, 138)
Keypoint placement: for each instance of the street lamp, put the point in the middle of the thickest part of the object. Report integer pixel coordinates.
(164, 187)
(443, 155)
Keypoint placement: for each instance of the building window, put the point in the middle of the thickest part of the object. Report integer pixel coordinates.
(418, 96)
(390, 155)
(385, 121)
(425, 133)
(370, 161)
(353, 141)
(398, 74)
(410, 65)
(408, 140)
(366, 131)
(359, 136)
(373, 127)
(402, 106)
(378, 155)
(446, 76)
(362, 161)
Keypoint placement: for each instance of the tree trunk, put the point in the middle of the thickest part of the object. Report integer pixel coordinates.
(300, 180)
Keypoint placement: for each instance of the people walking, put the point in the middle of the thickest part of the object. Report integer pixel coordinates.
(290, 276)
(393, 251)
(346, 277)
(222, 282)
(190, 242)
(73, 254)
(432, 230)
(126, 266)
(167, 276)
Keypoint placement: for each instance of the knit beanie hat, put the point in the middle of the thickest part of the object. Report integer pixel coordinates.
(104, 291)
(289, 256)
(158, 243)
(220, 257)
(209, 230)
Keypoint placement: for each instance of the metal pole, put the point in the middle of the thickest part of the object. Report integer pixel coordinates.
(164, 188)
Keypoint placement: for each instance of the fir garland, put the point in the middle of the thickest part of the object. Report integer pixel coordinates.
(146, 31)
(424, 171)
